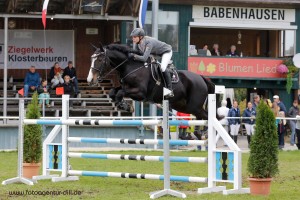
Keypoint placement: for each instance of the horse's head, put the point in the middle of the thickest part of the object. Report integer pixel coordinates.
(98, 65)
(106, 60)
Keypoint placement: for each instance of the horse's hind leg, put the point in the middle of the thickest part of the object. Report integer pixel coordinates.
(201, 115)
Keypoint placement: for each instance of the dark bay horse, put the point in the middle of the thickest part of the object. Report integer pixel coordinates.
(190, 93)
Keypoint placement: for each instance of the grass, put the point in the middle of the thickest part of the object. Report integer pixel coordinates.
(284, 186)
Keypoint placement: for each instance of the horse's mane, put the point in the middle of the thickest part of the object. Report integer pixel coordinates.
(123, 48)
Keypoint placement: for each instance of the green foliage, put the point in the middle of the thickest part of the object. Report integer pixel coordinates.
(289, 83)
(33, 134)
(290, 65)
(240, 94)
(263, 159)
(242, 105)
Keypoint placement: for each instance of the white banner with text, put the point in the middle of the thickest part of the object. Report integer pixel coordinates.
(37, 48)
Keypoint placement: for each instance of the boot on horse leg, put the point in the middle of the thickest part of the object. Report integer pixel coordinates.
(123, 105)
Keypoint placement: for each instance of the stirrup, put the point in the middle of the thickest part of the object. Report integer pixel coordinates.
(171, 94)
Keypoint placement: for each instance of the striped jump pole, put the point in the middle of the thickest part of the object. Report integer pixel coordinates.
(137, 176)
(106, 123)
(137, 157)
(136, 141)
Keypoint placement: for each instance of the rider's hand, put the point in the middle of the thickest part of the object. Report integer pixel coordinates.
(130, 55)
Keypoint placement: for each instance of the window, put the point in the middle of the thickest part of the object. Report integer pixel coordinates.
(168, 27)
(287, 43)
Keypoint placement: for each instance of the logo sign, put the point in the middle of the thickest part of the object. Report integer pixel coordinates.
(34, 47)
(234, 67)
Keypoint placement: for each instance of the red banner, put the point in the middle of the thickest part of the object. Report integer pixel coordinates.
(235, 67)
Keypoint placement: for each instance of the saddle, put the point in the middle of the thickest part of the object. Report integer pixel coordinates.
(157, 73)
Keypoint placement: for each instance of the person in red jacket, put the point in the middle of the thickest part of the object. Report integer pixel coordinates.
(182, 128)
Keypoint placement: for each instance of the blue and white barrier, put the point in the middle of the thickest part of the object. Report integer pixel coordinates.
(135, 141)
(137, 157)
(104, 123)
(137, 176)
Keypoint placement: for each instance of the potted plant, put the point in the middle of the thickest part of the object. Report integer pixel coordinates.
(263, 159)
(32, 149)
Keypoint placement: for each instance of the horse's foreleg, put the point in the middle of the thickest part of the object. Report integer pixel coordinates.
(121, 103)
(113, 92)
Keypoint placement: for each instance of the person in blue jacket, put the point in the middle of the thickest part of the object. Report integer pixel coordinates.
(32, 81)
(249, 122)
(235, 122)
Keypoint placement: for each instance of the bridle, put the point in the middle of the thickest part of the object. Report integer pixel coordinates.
(99, 78)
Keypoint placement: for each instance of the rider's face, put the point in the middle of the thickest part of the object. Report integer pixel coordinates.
(135, 39)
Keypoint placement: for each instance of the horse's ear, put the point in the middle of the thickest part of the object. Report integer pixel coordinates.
(95, 48)
(101, 47)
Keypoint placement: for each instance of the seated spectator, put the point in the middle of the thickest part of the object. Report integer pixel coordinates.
(32, 81)
(215, 51)
(68, 88)
(71, 72)
(205, 47)
(232, 52)
(56, 75)
(43, 93)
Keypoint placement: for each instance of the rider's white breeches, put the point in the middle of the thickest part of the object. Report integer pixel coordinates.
(165, 59)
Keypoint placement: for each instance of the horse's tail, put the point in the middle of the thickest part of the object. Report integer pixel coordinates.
(210, 85)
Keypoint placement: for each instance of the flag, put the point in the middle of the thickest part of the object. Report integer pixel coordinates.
(59, 90)
(44, 12)
(21, 91)
(142, 13)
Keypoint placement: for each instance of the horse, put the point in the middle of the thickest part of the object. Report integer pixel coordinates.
(138, 83)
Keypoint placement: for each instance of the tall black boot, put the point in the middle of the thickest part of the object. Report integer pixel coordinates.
(168, 80)
(235, 137)
(249, 140)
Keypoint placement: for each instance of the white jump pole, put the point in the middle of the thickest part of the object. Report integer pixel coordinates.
(20, 177)
(166, 146)
(65, 145)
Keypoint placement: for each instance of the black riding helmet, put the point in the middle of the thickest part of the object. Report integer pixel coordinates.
(137, 32)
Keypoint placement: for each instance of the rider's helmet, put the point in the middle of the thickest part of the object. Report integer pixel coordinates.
(137, 32)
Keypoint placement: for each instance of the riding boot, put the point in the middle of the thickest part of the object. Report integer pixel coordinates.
(168, 80)
(235, 137)
(249, 140)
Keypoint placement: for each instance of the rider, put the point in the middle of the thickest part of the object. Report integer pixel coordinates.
(149, 45)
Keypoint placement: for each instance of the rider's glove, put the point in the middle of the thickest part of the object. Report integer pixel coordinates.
(130, 55)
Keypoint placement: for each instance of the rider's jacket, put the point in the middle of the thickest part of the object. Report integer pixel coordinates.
(149, 45)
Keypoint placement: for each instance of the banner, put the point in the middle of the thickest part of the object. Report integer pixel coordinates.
(235, 67)
(27, 47)
(142, 13)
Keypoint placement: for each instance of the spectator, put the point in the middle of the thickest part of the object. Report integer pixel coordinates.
(281, 130)
(269, 103)
(229, 105)
(298, 132)
(182, 128)
(280, 104)
(43, 93)
(249, 123)
(232, 51)
(256, 101)
(71, 72)
(215, 51)
(205, 47)
(223, 112)
(32, 81)
(55, 75)
(234, 123)
(293, 112)
(68, 88)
